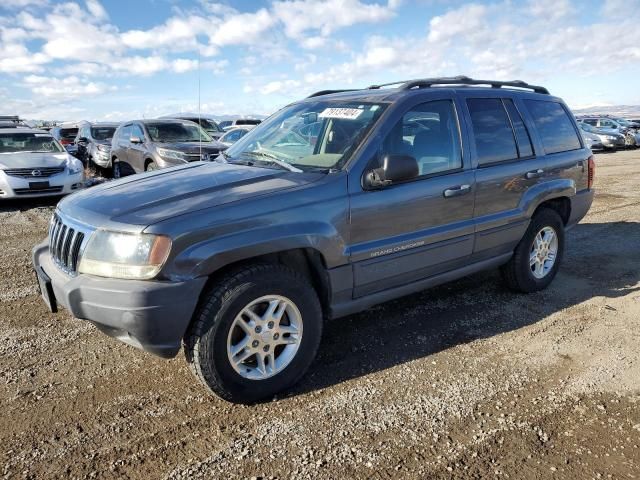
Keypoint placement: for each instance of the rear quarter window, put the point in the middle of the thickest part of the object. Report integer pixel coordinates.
(554, 126)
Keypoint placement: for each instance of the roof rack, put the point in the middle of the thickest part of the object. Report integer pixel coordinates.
(329, 92)
(463, 80)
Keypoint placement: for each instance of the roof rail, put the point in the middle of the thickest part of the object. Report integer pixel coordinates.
(463, 80)
(329, 92)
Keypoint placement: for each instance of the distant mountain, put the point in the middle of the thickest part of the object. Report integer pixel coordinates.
(216, 117)
(624, 111)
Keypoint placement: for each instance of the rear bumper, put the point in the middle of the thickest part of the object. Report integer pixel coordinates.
(580, 205)
(149, 315)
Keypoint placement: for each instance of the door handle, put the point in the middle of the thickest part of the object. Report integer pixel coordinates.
(535, 173)
(457, 191)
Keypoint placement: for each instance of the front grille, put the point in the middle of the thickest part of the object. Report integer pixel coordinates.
(36, 191)
(195, 157)
(65, 243)
(38, 172)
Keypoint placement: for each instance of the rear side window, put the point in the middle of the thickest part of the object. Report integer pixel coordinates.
(525, 149)
(492, 131)
(554, 126)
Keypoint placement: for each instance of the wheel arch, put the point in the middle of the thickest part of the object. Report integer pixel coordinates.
(561, 205)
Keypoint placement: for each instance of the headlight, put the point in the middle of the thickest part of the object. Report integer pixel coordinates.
(102, 148)
(609, 137)
(75, 166)
(124, 255)
(171, 154)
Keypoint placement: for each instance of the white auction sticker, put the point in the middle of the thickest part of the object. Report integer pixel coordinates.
(344, 113)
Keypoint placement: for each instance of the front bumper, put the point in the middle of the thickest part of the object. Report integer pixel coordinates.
(18, 187)
(150, 315)
(617, 143)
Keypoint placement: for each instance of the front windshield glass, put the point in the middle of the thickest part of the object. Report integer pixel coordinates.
(28, 142)
(586, 127)
(177, 132)
(102, 133)
(209, 125)
(319, 134)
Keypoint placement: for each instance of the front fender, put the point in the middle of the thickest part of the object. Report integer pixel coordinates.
(206, 257)
(543, 191)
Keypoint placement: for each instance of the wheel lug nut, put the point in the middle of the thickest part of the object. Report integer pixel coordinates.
(276, 336)
(266, 348)
(258, 329)
(270, 325)
(255, 343)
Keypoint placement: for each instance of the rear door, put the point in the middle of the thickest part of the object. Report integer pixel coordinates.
(409, 231)
(567, 157)
(507, 167)
(120, 147)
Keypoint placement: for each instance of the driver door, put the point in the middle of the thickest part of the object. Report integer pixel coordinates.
(409, 231)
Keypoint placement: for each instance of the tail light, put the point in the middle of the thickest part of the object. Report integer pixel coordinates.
(64, 141)
(591, 171)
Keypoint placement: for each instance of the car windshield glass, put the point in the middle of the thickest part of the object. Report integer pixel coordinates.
(177, 132)
(68, 133)
(315, 134)
(28, 142)
(102, 133)
(209, 125)
(586, 127)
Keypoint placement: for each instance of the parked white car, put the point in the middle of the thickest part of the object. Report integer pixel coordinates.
(34, 164)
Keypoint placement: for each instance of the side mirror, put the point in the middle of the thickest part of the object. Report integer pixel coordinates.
(394, 169)
(135, 139)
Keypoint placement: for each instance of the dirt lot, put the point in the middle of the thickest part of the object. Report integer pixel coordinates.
(466, 380)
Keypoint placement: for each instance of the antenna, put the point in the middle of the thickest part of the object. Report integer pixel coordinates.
(199, 118)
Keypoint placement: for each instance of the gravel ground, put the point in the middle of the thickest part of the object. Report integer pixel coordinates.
(466, 380)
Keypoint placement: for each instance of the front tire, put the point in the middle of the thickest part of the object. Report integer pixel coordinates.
(537, 257)
(116, 169)
(255, 333)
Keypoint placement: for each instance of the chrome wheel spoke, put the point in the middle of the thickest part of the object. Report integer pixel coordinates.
(533, 258)
(544, 250)
(258, 346)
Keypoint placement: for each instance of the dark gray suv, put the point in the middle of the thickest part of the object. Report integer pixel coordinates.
(395, 189)
(145, 145)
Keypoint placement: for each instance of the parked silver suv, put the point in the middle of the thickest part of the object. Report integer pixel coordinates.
(144, 145)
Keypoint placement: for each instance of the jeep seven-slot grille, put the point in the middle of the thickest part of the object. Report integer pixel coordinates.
(64, 245)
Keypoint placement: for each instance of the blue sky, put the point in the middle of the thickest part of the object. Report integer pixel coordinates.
(117, 59)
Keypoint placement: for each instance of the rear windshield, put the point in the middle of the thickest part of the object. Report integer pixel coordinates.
(177, 132)
(208, 125)
(28, 142)
(102, 133)
(68, 132)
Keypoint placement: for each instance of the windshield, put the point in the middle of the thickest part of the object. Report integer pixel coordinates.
(177, 132)
(68, 133)
(102, 133)
(320, 134)
(28, 142)
(586, 127)
(208, 125)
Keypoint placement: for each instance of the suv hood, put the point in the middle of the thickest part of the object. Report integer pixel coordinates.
(135, 202)
(193, 147)
(32, 159)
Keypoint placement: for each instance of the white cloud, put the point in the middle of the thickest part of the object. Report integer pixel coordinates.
(327, 16)
(97, 10)
(66, 88)
(23, 3)
(242, 28)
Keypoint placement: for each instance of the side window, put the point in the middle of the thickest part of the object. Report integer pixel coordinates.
(136, 131)
(525, 149)
(125, 134)
(554, 126)
(492, 131)
(429, 133)
(591, 122)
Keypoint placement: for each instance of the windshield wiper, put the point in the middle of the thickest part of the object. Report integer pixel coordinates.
(271, 158)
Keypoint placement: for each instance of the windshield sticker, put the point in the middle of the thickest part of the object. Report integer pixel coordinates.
(343, 113)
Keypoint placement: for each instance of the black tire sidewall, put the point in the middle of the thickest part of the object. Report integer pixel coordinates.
(544, 218)
(117, 168)
(213, 359)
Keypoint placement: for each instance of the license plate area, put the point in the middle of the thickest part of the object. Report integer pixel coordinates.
(38, 185)
(46, 290)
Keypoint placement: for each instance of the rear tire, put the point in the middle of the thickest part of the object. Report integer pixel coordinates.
(215, 343)
(116, 169)
(533, 268)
